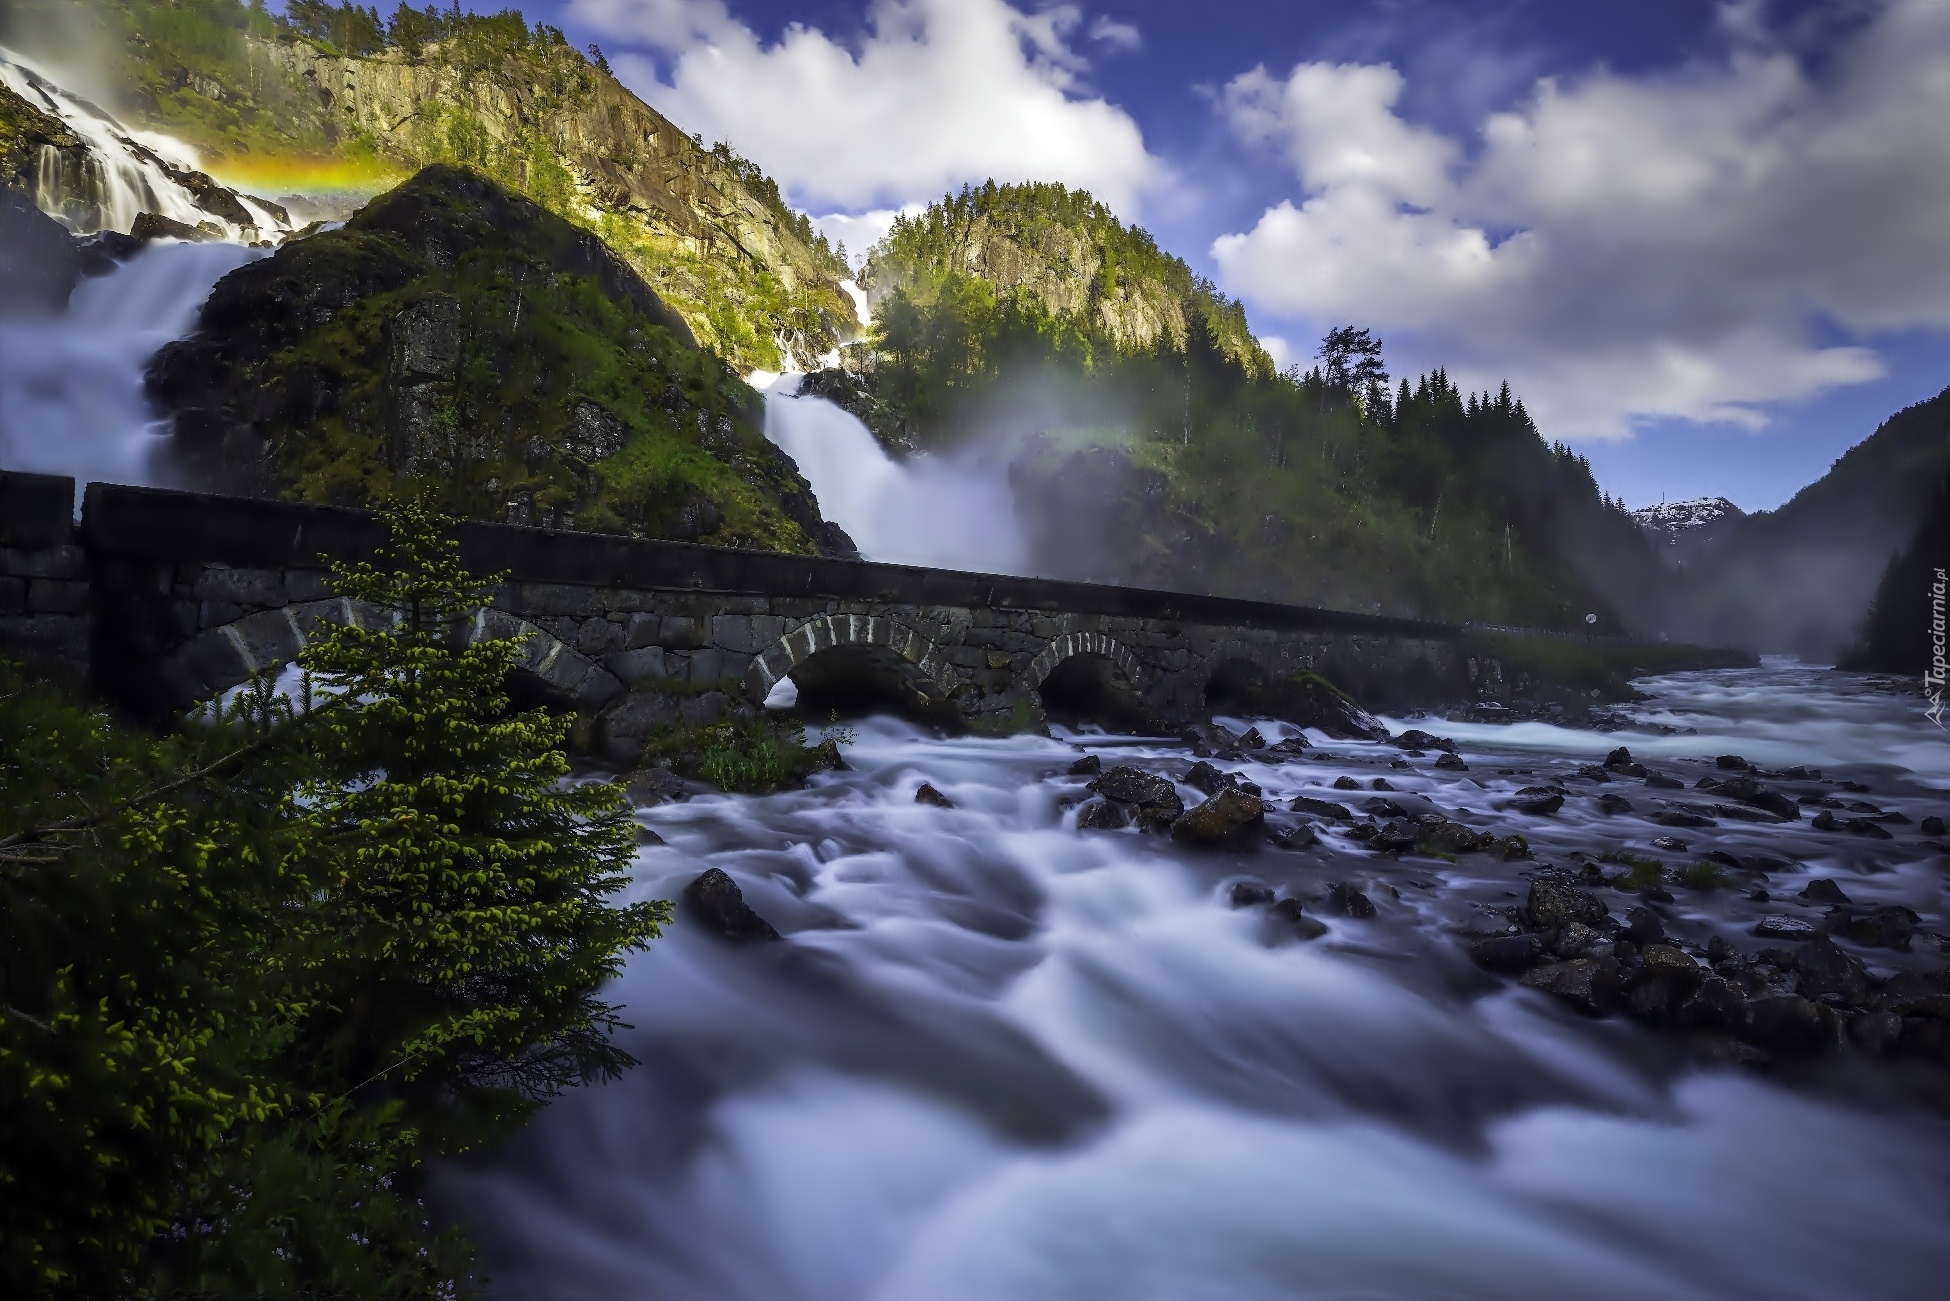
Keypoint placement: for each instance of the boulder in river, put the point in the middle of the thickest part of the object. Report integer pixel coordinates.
(1826, 971)
(1228, 820)
(1416, 739)
(1790, 1023)
(932, 797)
(1202, 776)
(1088, 766)
(1155, 799)
(1320, 808)
(1103, 815)
(1823, 890)
(718, 905)
(1778, 927)
(1289, 911)
(1882, 926)
(1507, 952)
(1592, 985)
(1609, 803)
(1346, 783)
(1541, 806)
(1344, 900)
(1451, 762)
(1551, 904)
(1249, 894)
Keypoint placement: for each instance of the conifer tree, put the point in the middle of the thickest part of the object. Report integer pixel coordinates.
(472, 881)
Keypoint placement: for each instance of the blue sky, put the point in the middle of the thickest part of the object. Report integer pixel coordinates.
(1708, 243)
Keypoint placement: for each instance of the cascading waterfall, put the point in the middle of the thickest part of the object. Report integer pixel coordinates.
(954, 511)
(122, 174)
(1000, 1058)
(71, 398)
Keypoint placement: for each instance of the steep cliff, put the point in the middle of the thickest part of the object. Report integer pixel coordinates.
(463, 340)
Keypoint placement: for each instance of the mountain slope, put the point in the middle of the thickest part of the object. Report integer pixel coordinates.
(1799, 579)
(462, 340)
(265, 102)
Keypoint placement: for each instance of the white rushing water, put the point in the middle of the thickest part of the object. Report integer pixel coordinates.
(954, 511)
(127, 172)
(71, 398)
(997, 1058)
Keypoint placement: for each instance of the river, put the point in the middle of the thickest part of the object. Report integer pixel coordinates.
(996, 1057)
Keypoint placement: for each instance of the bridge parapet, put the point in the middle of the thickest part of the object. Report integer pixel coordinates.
(167, 597)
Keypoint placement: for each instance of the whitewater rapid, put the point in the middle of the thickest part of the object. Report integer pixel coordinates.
(71, 395)
(999, 1058)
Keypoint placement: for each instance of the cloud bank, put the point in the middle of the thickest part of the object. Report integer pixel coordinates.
(1695, 244)
(937, 93)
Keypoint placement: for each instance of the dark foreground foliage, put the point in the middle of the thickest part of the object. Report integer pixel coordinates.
(253, 976)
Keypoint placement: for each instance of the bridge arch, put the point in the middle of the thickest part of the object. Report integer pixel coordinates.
(934, 677)
(1235, 674)
(1070, 644)
(226, 656)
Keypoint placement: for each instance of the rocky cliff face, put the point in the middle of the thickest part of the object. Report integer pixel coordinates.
(463, 340)
(696, 224)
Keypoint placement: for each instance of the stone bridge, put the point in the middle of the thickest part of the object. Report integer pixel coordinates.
(165, 599)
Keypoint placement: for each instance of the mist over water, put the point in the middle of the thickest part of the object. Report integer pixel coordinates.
(71, 397)
(997, 1058)
(954, 511)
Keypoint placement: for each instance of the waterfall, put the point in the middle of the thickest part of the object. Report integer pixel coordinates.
(954, 511)
(71, 399)
(124, 173)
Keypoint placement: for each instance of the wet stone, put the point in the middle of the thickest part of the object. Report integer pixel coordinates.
(1551, 904)
(1609, 803)
(1383, 808)
(1346, 784)
(1249, 894)
(1507, 952)
(1823, 890)
(1229, 820)
(1932, 826)
(1877, 1033)
(1790, 1023)
(1451, 762)
(1345, 901)
(1779, 927)
(1591, 985)
(933, 798)
(1088, 766)
(1301, 837)
(1826, 971)
(715, 902)
(1881, 927)
(1669, 844)
(1289, 911)
(1541, 806)
(1659, 781)
(1102, 815)
(1320, 808)
(1680, 818)
(1644, 926)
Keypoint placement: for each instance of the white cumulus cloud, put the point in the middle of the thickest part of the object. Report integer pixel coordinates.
(936, 93)
(1694, 244)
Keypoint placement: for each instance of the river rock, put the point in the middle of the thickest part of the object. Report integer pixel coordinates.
(1451, 762)
(1346, 783)
(1573, 938)
(647, 838)
(1507, 952)
(1880, 927)
(1344, 900)
(1541, 806)
(1669, 844)
(1659, 781)
(1644, 926)
(1551, 904)
(1381, 784)
(1249, 894)
(1714, 1005)
(1733, 762)
(931, 797)
(1876, 1033)
(1088, 766)
(1823, 890)
(1750, 792)
(1932, 826)
(1790, 1023)
(651, 786)
(1435, 835)
(1202, 776)
(1295, 838)
(1289, 911)
(717, 904)
(1826, 971)
(1229, 820)
(153, 225)
(1320, 808)
(1155, 798)
(1383, 808)
(1416, 739)
(1592, 985)
(1103, 815)
(1779, 927)
(1681, 818)
(1660, 982)
(1610, 804)
(1591, 772)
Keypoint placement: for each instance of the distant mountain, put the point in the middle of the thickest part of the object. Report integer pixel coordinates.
(1684, 530)
(1799, 579)
(335, 94)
